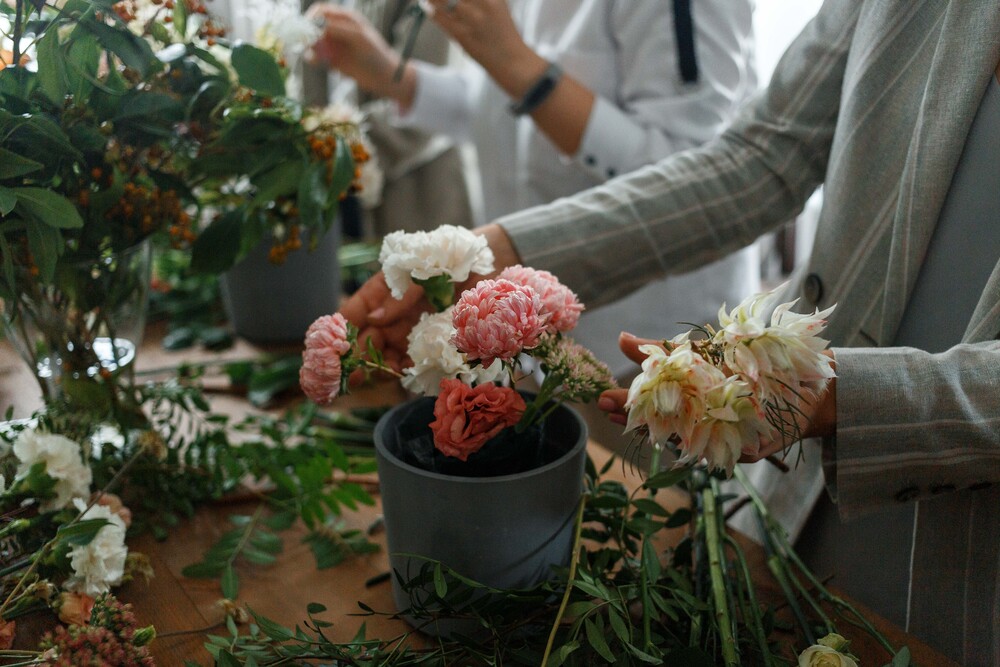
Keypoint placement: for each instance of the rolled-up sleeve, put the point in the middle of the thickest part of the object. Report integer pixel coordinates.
(442, 101)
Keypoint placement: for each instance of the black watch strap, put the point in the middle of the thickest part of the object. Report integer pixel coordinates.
(539, 91)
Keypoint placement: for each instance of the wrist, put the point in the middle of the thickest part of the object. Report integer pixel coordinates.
(516, 74)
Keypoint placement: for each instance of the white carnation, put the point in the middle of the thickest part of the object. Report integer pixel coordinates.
(100, 564)
(435, 357)
(371, 181)
(448, 250)
(63, 463)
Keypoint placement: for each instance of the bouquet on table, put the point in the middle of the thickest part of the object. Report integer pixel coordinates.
(470, 354)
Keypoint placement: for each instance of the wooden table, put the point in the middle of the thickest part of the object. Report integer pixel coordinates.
(182, 608)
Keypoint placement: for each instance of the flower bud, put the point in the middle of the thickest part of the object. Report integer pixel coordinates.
(144, 635)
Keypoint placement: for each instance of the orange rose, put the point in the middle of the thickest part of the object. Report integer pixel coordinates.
(466, 417)
(74, 608)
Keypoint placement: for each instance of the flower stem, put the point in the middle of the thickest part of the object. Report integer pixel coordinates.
(756, 624)
(713, 541)
(577, 531)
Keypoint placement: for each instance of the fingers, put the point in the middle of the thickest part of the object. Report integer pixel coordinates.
(629, 345)
(612, 402)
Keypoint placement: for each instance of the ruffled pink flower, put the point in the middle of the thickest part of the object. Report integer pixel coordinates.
(558, 301)
(466, 417)
(327, 340)
(497, 319)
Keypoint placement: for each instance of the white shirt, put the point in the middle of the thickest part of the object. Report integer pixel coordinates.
(625, 52)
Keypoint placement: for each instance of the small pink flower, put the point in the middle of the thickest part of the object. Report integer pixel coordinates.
(466, 417)
(74, 608)
(558, 301)
(327, 340)
(115, 504)
(497, 319)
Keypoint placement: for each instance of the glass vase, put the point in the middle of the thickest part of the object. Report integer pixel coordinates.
(80, 331)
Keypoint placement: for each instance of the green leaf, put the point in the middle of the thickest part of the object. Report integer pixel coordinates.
(225, 658)
(80, 533)
(83, 62)
(52, 68)
(13, 165)
(680, 517)
(595, 637)
(343, 169)
(650, 507)
(217, 246)
(144, 105)
(902, 658)
(282, 180)
(203, 570)
(48, 207)
(667, 478)
(8, 199)
(440, 585)
(257, 69)
(134, 51)
(230, 582)
(315, 608)
(45, 243)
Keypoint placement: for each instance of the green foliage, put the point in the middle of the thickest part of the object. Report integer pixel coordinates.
(626, 604)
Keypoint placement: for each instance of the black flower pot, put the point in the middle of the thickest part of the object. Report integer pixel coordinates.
(505, 531)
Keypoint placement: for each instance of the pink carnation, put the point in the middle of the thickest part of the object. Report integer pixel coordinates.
(327, 340)
(558, 301)
(497, 319)
(466, 417)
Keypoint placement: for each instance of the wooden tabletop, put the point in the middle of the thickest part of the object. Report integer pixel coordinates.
(182, 608)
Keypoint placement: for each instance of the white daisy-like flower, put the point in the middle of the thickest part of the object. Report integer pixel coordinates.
(451, 251)
(668, 396)
(435, 357)
(63, 463)
(732, 425)
(781, 361)
(99, 564)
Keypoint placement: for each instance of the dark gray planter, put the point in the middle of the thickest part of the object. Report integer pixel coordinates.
(506, 531)
(276, 303)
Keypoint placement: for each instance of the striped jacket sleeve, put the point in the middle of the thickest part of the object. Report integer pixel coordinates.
(699, 205)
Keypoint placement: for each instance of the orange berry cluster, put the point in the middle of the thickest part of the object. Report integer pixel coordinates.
(292, 241)
(142, 209)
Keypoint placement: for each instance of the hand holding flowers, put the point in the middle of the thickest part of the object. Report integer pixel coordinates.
(742, 393)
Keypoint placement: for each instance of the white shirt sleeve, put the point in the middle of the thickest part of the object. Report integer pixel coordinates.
(656, 113)
(442, 102)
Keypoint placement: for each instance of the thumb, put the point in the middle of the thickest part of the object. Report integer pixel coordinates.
(629, 345)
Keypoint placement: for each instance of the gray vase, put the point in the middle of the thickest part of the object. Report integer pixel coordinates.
(276, 303)
(506, 531)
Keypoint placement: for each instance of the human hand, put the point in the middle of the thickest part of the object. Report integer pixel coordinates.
(612, 401)
(486, 31)
(384, 320)
(351, 45)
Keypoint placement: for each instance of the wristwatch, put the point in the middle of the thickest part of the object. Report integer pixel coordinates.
(539, 91)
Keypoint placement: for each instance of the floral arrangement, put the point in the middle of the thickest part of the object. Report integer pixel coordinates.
(472, 353)
(721, 395)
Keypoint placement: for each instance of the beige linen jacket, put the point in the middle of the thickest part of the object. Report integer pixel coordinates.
(873, 100)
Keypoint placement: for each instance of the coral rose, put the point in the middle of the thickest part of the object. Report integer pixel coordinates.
(115, 504)
(8, 630)
(466, 417)
(559, 303)
(74, 608)
(327, 340)
(498, 319)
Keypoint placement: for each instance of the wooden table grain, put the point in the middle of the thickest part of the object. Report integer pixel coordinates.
(184, 610)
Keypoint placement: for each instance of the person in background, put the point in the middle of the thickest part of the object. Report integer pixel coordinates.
(892, 105)
(560, 95)
(425, 181)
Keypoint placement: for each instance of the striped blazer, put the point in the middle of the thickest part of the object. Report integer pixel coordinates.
(874, 101)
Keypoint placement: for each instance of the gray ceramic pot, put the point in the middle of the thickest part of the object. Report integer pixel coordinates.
(269, 303)
(506, 531)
